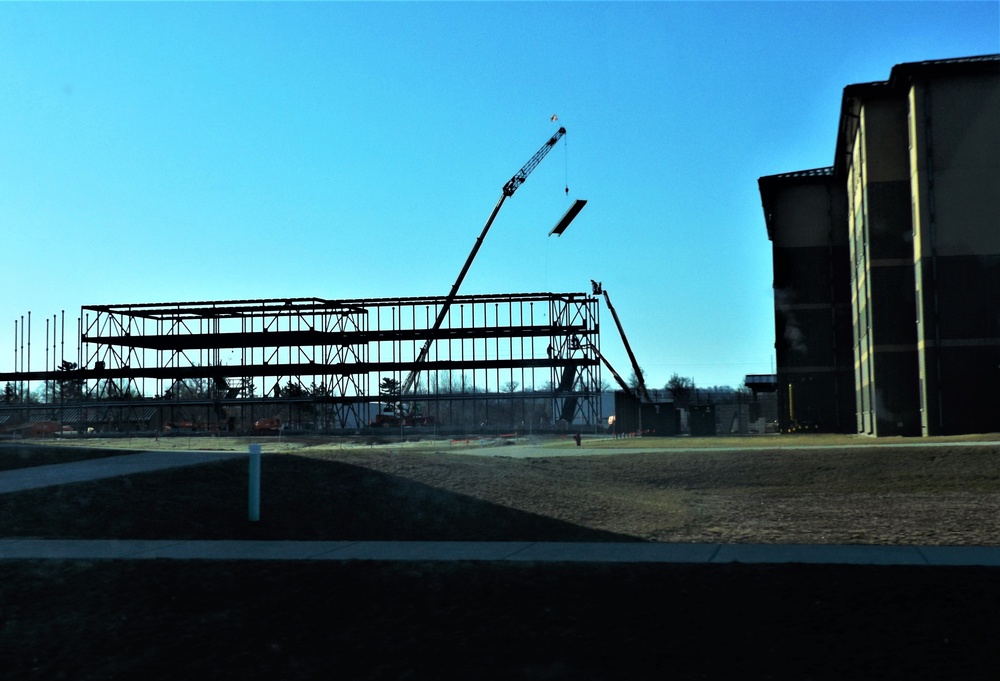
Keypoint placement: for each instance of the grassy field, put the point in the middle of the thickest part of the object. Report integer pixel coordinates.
(363, 620)
(809, 490)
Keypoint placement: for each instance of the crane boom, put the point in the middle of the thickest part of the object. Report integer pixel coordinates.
(618, 378)
(508, 190)
(641, 387)
(521, 175)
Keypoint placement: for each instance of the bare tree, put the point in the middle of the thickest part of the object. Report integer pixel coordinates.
(633, 379)
(680, 388)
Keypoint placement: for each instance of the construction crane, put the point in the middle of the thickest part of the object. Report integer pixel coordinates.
(621, 381)
(643, 394)
(637, 393)
(508, 190)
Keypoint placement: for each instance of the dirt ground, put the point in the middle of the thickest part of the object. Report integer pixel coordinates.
(940, 495)
(368, 620)
(809, 490)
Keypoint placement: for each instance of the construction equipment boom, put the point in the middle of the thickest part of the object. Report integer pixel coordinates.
(618, 378)
(508, 190)
(641, 384)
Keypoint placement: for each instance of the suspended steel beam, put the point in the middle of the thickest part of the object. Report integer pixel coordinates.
(573, 211)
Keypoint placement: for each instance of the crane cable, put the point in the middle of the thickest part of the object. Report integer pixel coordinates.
(566, 183)
(566, 163)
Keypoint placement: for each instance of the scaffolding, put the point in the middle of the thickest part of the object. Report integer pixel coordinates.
(498, 362)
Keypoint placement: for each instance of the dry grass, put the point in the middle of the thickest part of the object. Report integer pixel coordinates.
(362, 620)
(426, 442)
(433, 490)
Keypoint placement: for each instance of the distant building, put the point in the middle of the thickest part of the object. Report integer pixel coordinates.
(887, 264)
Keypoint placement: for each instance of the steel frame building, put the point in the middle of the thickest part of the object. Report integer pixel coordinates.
(324, 364)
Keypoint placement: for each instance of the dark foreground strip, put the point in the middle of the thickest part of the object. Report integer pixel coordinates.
(13, 548)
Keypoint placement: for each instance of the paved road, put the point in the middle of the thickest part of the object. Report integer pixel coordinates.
(108, 467)
(520, 451)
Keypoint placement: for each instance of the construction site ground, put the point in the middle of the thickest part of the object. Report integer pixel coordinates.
(419, 619)
(786, 490)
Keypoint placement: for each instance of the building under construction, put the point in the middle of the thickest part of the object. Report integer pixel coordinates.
(495, 364)
(483, 363)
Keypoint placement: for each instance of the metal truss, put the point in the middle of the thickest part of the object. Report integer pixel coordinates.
(226, 350)
(495, 362)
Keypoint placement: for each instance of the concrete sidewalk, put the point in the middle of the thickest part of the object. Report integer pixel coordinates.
(21, 479)
(14, 548)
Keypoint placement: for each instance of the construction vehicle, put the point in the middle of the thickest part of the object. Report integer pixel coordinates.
(40, 429)
(508, 190)
(268, 424)
(638, 400)
(638, 394)
(618, 379)
(641, 391)
(391, 420)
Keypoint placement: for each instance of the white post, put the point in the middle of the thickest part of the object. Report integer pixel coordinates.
(254, 511)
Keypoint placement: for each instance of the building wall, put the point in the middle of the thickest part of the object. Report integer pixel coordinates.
(954, 154)
(918, 163)
(811, 302)
(882, 291)
(661, 419)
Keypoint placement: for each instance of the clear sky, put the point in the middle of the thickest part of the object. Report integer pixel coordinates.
(156, 152)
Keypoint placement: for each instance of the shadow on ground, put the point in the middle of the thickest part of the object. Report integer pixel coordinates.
(301, 499)
(164, 620)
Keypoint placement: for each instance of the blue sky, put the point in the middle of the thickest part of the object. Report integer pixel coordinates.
(192, 151)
